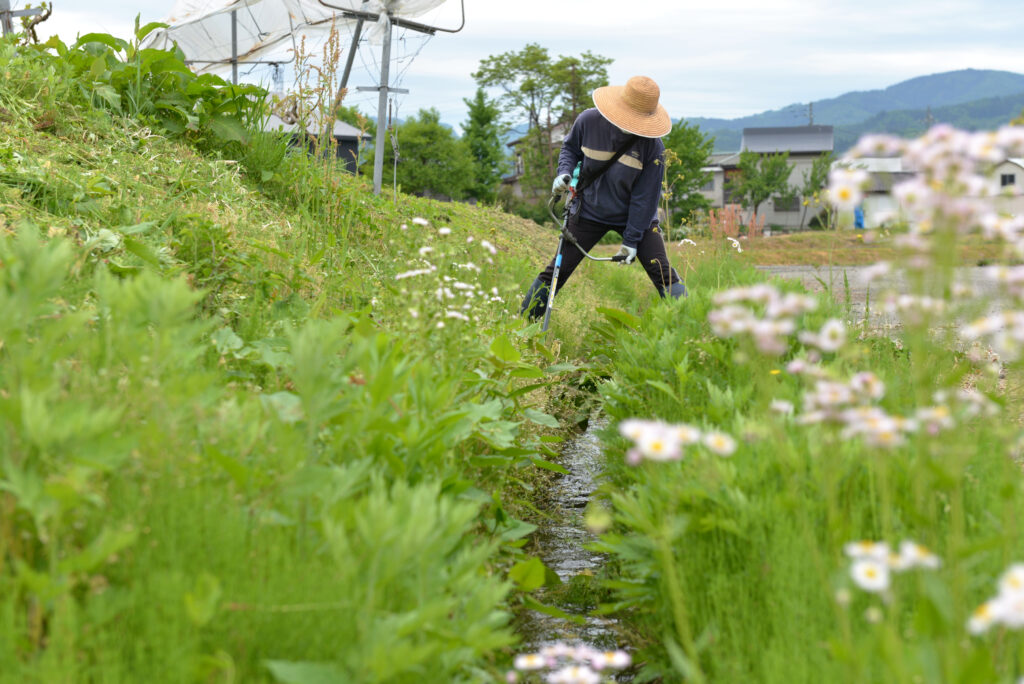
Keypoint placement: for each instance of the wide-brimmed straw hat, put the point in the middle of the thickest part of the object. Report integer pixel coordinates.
(634, 107)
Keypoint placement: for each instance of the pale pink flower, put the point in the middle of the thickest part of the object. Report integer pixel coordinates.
(874, 272)
(868, 385)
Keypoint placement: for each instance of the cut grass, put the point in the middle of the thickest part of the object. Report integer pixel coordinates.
(842, 248)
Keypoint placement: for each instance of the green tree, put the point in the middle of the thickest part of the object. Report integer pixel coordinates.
(760, 177)
(687, 151)
(482, 135)
(545, 92)
(431, 160)
(814, 182)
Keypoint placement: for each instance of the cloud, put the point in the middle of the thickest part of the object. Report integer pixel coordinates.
(728, 58)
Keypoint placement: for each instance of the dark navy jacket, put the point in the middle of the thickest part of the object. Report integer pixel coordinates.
(628, 193)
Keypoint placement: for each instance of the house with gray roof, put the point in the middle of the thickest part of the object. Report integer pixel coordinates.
(804, 144)
(346, 137)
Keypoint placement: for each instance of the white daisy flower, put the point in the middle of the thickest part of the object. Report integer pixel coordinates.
(868, 385)
(878, 551)
(574, 674)
(659, 444)
(984, 616)
(615, 660)
(845, 188)
(832, 335)
(687, 434)
(529, 661)
(913, 555)
(421, 221)
(1012, 581)
(412, 274)
(782, 406)
(870, 574)
(720, 443)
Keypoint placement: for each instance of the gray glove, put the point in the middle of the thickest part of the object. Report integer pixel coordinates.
(561, 184)
(628, 252)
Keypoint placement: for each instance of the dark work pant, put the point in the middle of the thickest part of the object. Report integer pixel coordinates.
(650, 253)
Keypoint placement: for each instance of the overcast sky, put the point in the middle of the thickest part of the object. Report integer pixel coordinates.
(726, 59)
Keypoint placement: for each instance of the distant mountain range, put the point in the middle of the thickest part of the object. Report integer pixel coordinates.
(972, 99)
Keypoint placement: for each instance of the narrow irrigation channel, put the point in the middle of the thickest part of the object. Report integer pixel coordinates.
(561, 541)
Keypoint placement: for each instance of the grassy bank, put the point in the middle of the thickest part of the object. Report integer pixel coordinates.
(830, 248)
(799, 500)
(256, 424)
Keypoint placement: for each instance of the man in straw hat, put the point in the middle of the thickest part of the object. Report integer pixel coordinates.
(623, 198)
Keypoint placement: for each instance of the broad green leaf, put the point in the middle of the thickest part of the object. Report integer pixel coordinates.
(141, 250)
(541, 418)
(548, 465)
(527, 372)
(102, 38)
(226, 341)
(108, 95)
(144, 31)
(504, 350)
(658, 385)
(617, 316)
(516, 529)
(228, 128)
(528, 574)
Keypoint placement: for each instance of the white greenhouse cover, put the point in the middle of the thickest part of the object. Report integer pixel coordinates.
(266, 29)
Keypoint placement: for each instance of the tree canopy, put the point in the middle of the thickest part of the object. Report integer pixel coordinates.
(431, 160)
(814, 182)
(761, 176)
(482, 135)
(687, 150)
(544, 92)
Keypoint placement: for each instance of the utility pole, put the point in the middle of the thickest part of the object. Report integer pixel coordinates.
(7, 16)
(234, 47)
(810, 114)
(382, 104)
(573, 89)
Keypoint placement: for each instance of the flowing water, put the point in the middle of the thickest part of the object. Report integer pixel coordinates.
(560, 541)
